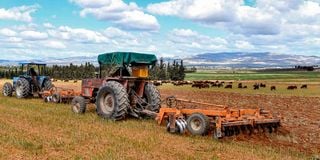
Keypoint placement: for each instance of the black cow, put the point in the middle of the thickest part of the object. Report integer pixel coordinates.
(304, 86)
(228, 86)
(291, 87)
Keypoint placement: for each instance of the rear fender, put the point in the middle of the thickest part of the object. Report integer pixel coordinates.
(89, 87)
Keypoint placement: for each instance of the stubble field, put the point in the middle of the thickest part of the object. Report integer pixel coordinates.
(32, 129)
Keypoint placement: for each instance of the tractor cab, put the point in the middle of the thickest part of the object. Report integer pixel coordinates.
(35, 71)
(30, 82)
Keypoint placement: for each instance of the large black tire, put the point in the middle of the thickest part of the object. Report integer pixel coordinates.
(112, 101)
(152, 95)
(78, 105)
(22, 88)
(7, 89)
(198, 124)
(47, 85)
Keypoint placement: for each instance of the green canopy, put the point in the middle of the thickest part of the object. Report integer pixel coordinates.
(126, 58)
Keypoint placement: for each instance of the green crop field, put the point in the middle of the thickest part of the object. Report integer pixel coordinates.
(253, 75)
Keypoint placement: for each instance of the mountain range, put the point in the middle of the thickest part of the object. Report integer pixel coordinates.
(213, 60)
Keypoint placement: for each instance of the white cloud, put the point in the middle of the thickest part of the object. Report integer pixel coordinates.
(127, 16)
(21, 13)
(244, 45)
(7, 32)
(267, 17)
(54, 44)
(33, 35)
(189, 42)
(197, 10)
(78, 34)
(48, 25)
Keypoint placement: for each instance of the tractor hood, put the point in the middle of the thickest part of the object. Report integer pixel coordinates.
(126, 58)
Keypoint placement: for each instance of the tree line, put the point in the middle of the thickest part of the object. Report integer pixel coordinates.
(161, 71)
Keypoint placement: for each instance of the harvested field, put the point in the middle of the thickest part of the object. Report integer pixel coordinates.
(300, 115)
(32, 129)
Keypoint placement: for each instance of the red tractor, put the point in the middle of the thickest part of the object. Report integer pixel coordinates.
(125, 91)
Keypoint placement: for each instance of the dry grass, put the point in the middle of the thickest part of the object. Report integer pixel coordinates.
(32, 129)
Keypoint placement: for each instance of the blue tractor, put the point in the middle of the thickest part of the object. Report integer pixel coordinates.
(30, 83)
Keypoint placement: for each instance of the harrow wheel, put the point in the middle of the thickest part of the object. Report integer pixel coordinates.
(7, 89)
(198, 124)
(78, 105)
(180, 126)
(56, 98)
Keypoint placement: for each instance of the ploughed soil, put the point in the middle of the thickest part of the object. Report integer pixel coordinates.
(300, 116)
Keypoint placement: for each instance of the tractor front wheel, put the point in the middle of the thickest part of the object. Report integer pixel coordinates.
(78, 105)
(22, 88)
(112, 101)
(7, 89)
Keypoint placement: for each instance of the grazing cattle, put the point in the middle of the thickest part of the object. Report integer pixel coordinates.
(220, 85)
(240, 85)
(228, 86)
(66, 80)
(245, 87)
(157, 83)
(273, 88)
(75, 81)
(200, 85)
(292, 87)
(262, 85)
(256, 86)
(304, 86)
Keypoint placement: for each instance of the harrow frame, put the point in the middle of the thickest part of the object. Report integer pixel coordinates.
(223, 120)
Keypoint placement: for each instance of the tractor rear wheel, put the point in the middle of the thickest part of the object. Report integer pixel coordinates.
(112, 101)
(152, 95)
(22, 88)
(198, 124)
(7, 89)
(79, 105)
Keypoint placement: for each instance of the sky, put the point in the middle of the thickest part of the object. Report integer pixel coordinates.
(36, 29)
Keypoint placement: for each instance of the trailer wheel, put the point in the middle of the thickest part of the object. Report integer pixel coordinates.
(7, 89)
(198, 124)
(22, 88)
(112, 101)
(78, 105)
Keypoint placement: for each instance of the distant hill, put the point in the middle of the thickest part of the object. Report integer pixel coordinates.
(251, 60)
(214, 60)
